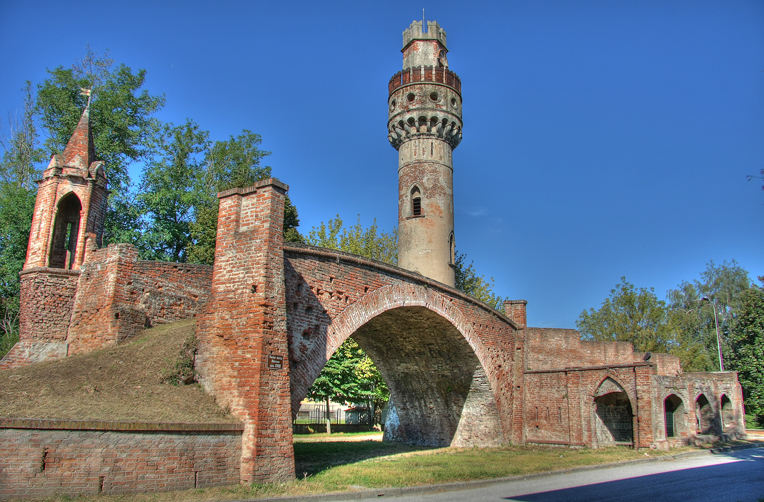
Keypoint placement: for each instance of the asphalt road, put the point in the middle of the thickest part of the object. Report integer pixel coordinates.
(736, 476)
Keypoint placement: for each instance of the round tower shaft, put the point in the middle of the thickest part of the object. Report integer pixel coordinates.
(425, 125)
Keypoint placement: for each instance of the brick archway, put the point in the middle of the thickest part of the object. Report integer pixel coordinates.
(425, 348)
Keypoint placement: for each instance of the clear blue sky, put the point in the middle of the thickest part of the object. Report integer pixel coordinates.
(601, 139)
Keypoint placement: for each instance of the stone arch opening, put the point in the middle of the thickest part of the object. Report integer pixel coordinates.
(65, 232)
(674, 416)
(727, 414)
(429, 358)
(704, 415)
(613, 414)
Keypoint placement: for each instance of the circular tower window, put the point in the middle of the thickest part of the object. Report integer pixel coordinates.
(434, 96)
(453, 103)
(410, 97)
(392, 105)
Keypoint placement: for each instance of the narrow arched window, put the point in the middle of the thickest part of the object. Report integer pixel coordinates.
(65, 232)
(452, 248)
(416, 202)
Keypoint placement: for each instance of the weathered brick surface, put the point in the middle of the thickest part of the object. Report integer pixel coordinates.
(86, 458)
(447, 358)
(119, 295)
(564, 374)
(243, 355)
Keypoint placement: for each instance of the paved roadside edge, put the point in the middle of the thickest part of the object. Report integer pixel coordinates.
(479, 483)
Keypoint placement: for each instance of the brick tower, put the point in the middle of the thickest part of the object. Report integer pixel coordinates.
(425, 125)
(71, 204)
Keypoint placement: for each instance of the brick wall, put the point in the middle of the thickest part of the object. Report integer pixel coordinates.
(118, 296)
(47, 300)
(40, 458)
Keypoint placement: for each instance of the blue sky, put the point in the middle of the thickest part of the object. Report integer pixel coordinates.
(601, 139)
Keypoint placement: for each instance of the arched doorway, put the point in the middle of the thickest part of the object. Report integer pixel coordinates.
(728, 414)
(704, 415)
(674, 416)
(65, 232)
(613, 414)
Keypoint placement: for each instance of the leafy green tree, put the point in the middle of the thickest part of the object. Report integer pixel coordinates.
(629, 315)
(122, 121)
(167, 195)
(369, 242)
(19, 167)
(747, 358)
(692, 307)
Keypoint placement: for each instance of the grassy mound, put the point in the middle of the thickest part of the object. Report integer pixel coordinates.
(128, 382)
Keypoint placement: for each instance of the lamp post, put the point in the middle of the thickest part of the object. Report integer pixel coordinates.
(718, 340)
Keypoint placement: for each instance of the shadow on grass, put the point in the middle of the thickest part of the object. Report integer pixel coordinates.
(312, 458)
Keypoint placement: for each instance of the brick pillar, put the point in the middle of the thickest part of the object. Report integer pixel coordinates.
(243, 353)
(515, 310)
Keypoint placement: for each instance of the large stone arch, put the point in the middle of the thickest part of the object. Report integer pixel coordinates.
(428, 353)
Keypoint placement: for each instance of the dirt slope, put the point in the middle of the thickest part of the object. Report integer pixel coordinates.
(122, 383)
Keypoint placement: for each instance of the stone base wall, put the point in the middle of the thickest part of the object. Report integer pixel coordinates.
(41, 458)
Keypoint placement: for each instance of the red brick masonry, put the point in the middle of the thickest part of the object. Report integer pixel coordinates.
(42, 457)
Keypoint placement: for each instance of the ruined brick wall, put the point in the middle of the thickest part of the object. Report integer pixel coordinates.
(47, 300)
(41, 458)
(448, 359)
(562, 377)
(724, 422)
(119, 295)
(243, 353)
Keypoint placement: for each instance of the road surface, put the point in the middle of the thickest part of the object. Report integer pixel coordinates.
(736, 476)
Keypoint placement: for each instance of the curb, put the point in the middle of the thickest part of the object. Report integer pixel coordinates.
(465, 485)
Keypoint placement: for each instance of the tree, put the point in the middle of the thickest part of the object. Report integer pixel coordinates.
(693, 318)
(629, 315)
(168, 196)
(475, 285)
(747, 356)
(234, 163)
(19, 167)
(369, 243)
(122, 121)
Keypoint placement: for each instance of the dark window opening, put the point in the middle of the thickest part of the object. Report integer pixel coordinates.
(416, 202)
(65, 232)
(674, 415)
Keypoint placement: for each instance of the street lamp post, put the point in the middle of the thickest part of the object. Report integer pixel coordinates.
(718, 340)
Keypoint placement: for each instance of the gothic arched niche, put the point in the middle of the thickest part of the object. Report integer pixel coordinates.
(65, 232)
(613, 414)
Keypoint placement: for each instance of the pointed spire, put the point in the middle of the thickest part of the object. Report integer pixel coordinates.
(80, 151)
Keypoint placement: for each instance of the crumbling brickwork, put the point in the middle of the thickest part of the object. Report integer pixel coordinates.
(39, 458)
(119, 295)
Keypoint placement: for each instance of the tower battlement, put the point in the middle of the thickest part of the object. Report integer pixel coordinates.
(414, 32)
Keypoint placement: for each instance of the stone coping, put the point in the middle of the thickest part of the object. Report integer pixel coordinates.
(97, 425)
(49, 270)
(334, 254)
(253, 188)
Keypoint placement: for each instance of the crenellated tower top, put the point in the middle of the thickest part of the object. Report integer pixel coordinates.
(424, 48)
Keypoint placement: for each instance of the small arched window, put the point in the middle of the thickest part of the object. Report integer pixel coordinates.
(416, 202)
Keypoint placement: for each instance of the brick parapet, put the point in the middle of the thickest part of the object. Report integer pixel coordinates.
(119, 295)
(101, 425)
(42, 462)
